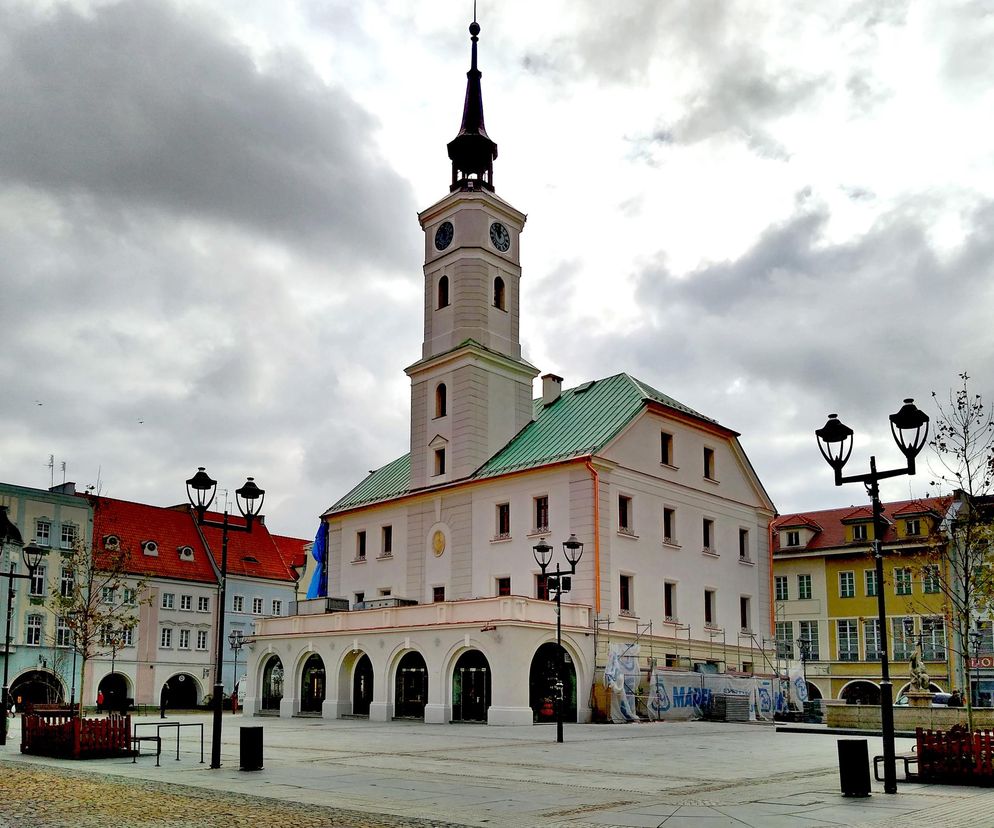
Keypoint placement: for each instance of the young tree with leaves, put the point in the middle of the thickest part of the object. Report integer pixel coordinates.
(963, 449)
(100, 603)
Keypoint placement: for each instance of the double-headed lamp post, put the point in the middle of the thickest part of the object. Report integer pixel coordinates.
(11, 537)
(200, 490)
(804, 646)
(573, 550)
(236, 641)
(909, 427)
(976, 639)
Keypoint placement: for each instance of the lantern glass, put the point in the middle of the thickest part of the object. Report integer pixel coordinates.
(32, 556)
(573, 550)
(200, 490)
(246, 498)
(543, 553)
(835, 440)
(910, 428)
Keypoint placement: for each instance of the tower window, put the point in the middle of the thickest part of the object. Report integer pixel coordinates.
(443, 292)
(441, 405)
(440, 461)
(499, 294)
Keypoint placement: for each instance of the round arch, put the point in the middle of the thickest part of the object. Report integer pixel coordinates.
(814, 693)
(355, 682)
(116, 690)
(471, 678)
(272, 684)
(860, 691)
(37, 687)
(312, 684)
(932, 688)
(542, 678)
(181, 692)
(410, 686)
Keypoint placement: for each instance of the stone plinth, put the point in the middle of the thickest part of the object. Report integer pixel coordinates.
(919, 698)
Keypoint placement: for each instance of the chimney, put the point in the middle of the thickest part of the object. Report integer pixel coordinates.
(64, 488)
(552, 387)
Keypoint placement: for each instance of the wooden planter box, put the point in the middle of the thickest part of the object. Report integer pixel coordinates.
(63, 734)
(956, 757)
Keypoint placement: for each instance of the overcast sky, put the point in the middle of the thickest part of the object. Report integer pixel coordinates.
(210, 255)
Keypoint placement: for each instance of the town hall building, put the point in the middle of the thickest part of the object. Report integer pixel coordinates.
(433, 603)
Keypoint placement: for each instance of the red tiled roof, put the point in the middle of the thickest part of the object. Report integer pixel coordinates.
(795, 521)
(833, 534)
(136, 523)
(254, 553)
(293, 550)
(860, 513)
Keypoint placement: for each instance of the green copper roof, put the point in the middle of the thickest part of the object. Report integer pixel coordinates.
(581, 422)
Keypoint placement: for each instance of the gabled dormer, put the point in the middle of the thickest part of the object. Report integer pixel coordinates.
(915, 521)
(858, 525)
(796, 533)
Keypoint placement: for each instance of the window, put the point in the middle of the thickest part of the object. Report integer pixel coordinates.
(903, 644)
(107, 595)
(503, 528)
(68, 536)
(745, 616)
(186, 602)
(33, 638)
(709, 608)
(128, 637)
(360, 599)
(257, 606)
(168, 600)
(669, 601)
(804, 587)
(669, 525)
(439, 461)
(441, 407)
(665, 448)
(63, 635)
(808, 631)
(386, 541)
(913, 527)
(859, 532)
(166, 637)
(709, 464)
(930, 579)
(902, 581)
(107, 636)
(626, 516)
(847, 584)
(43, 532)
(37, 581)
(130, 597)
(438, 594)
(541, 505)
(625, 598)
(184, 639)
(238, 603)
(384, 592)
(707, 535)
(780, 588)
(793, 538)
(848, 640)
(744, 544)
(203, 604)
(443, 292)
(68, 582)
(360, 545)
(934, 639)
(201, 639)
(499, 293)
(504, 586)
(784, 635)
(871, 634)
(277, 606)
(542, 587)
(870, 582)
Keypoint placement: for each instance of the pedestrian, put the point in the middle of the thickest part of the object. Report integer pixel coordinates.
(163, 701)
(100, 701)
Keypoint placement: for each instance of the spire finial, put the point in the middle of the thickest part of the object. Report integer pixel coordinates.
(471, 151)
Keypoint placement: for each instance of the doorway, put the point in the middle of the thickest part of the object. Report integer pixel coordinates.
(471, 688)
(412, 687)
(312, 685)
(362, 686)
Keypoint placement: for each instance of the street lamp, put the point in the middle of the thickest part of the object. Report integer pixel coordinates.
(31, 553)
(976, 639)
(200, 490)
(909, 427)
(805, 647)
(237, 641)
(73, 616)
(573, 550)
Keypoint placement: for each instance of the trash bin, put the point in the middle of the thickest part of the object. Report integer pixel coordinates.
(854, 767)
(250, 743)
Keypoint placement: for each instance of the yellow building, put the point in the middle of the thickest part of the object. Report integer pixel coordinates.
(825, 598)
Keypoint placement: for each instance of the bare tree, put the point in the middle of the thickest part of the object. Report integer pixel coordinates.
(99, 605)
(963, 449)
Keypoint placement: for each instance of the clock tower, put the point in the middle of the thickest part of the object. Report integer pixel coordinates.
(471, 391)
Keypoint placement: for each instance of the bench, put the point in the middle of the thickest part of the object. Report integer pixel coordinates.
(910, 758)
(136, 747)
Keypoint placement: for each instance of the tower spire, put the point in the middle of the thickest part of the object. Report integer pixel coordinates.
(471, 151)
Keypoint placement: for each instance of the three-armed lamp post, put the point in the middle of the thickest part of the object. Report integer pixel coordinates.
(200, 490)
(909, 426)
(573, 550)
(10, 536)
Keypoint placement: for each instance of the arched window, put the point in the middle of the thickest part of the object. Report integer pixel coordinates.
(499, 293)
(443, 292)
(441, 407)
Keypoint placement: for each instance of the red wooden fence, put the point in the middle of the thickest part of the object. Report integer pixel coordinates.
(62, 734)
(956, 756)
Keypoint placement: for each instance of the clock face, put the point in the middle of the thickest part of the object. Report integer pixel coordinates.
(438, 542)
(443, 235)
(499, 237)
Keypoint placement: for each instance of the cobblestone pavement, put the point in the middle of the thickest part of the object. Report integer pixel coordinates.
(47, 797)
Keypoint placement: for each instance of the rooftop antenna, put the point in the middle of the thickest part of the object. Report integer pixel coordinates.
(51, 470)
(63, 472)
